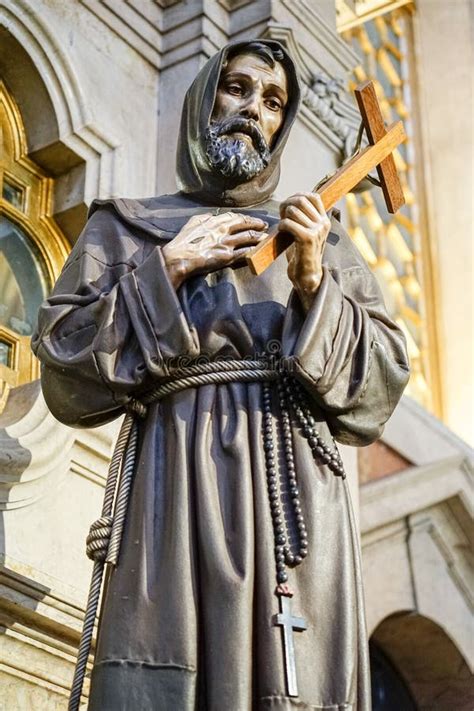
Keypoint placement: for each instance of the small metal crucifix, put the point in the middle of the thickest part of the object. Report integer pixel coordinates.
(289, 623)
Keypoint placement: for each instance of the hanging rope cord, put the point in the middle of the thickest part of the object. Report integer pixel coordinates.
(103, 541)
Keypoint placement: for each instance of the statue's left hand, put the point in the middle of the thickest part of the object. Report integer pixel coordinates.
(303, 216)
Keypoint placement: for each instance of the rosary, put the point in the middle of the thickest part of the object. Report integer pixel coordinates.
(291, 546)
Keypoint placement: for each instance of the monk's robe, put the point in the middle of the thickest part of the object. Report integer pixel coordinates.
(187, 616)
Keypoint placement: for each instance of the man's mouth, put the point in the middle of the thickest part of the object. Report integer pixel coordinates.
(243, 136)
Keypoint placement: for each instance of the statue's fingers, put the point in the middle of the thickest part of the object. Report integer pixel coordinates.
(239, 254)
(246, 237)
(317, 202)
(298, 214)
(302, 234)
(246, 222)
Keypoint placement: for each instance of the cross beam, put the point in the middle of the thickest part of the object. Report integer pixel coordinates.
(288, 622)
(382, 142)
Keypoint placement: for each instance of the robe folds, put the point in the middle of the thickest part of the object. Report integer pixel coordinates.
(186, 622)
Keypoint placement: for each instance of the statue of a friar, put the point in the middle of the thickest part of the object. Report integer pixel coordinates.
(238, 584)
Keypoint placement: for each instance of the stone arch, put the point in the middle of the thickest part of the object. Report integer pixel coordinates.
(432, 666)
(62, 137)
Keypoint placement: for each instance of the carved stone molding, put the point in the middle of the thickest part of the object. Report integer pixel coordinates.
(37, 452)
(69, 136)
(416, 527)
(33, 448)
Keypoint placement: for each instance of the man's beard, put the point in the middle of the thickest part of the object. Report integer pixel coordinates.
(236, 158)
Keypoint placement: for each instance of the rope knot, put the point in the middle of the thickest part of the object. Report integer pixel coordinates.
(97, 542)
(135, 407)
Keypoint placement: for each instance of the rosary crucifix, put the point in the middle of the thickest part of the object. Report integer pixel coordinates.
(382, 142)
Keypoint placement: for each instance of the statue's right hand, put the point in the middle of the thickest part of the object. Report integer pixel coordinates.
(209, 242)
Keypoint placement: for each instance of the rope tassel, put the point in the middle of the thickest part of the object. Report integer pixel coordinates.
(103, 541)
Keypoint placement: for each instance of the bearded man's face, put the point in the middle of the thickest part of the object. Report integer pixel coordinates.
(248, 113)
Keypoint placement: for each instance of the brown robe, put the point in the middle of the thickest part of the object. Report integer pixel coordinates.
(187, 615)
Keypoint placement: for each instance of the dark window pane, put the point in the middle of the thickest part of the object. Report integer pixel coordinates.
(23, 279)
(13, 195)
(6, 353)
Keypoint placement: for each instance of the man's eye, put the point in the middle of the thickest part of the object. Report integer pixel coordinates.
(234, 89)
(273, 104)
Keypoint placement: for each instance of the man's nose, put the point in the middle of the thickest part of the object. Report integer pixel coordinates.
(251, 108)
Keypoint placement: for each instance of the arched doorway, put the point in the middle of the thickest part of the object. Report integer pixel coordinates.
(415, 665)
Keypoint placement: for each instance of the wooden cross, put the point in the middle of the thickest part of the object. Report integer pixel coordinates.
(378, 154)
(289, 623)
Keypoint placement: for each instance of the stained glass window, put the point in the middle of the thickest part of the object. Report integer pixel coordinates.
(23, 279)
(393, 244)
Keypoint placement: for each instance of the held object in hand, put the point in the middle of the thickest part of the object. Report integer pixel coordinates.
(382, 141)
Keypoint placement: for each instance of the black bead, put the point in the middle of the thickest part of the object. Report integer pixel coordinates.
(290, 558)
(281, 567)
(303, 552)
(301, 526)
(282, 577)
(298, 559)
(303, 536)
(281, 539)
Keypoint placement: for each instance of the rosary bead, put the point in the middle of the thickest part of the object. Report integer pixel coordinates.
(280, 566)
(278, 520)
(290, 558)
(301, 526)
(299, 517)
(281, 539)
(282, 577)
(311, 420)
(303, 553)
(297, 510)
(273, 496)
(268, 446)
(313, 442)
(272, 488)
(303, 536)
(280, 529)
(298, 559)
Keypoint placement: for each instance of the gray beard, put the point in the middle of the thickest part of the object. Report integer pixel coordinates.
(235, 158)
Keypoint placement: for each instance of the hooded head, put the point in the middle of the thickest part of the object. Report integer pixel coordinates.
(216, 162)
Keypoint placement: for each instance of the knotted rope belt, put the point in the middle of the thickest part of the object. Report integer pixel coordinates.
(103, 541)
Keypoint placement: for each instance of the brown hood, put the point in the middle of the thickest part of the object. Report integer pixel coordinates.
(194, 174)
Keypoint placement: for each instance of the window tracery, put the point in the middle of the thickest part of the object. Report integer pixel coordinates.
(395, 246)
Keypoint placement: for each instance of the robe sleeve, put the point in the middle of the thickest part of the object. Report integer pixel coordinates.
(348, 353)
(110, 326)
